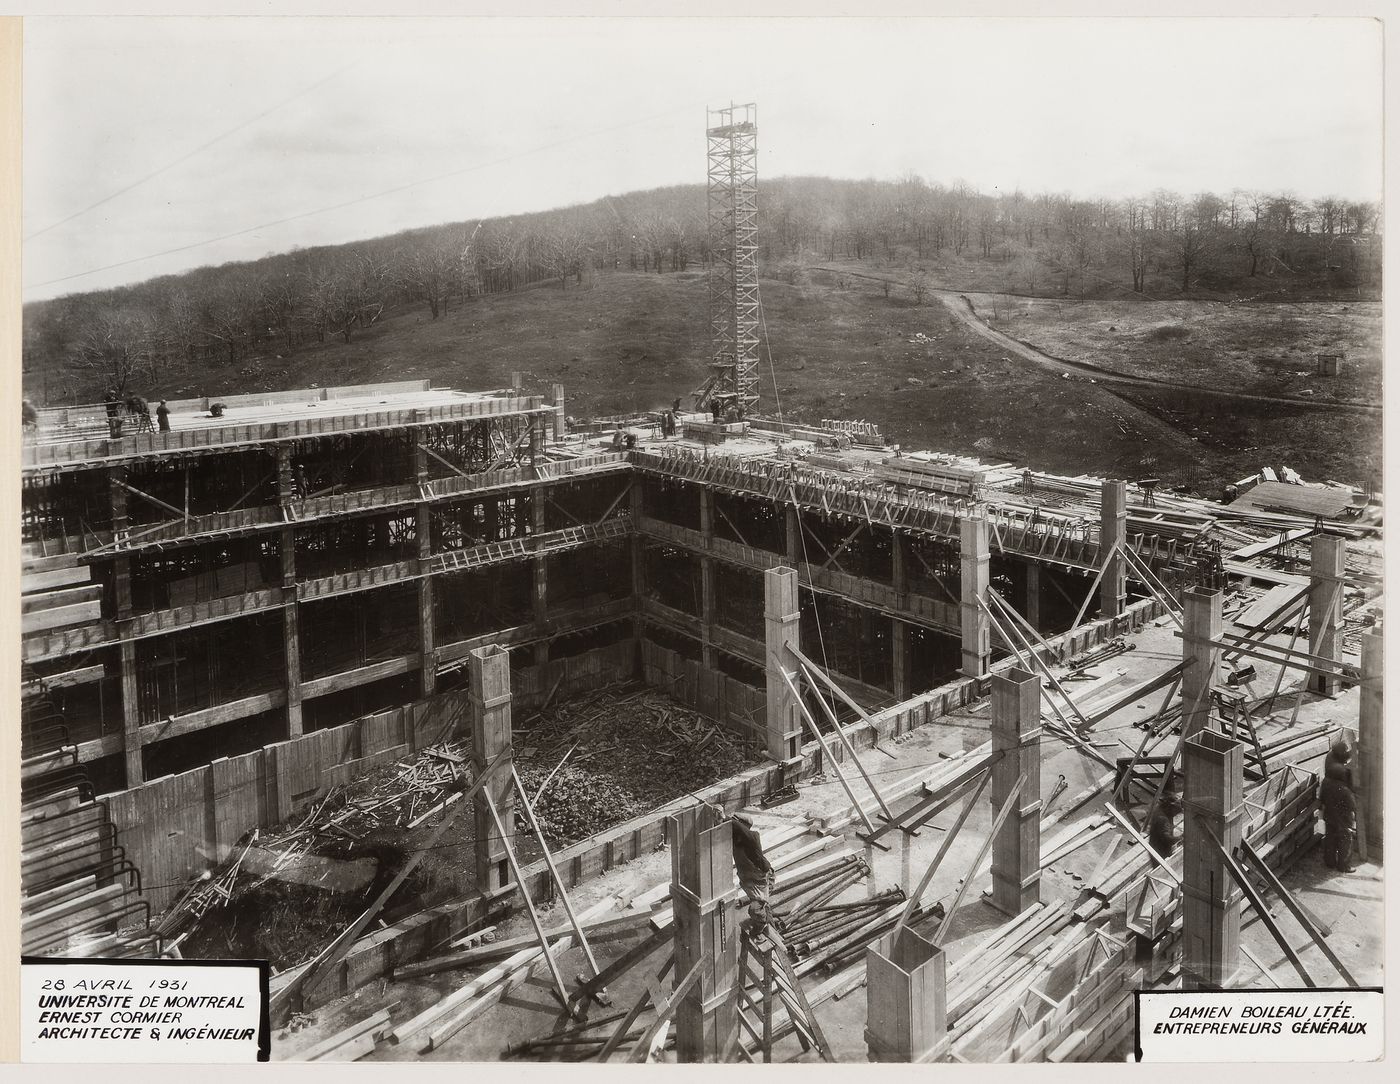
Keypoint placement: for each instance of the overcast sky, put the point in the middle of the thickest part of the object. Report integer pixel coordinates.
(228, 139)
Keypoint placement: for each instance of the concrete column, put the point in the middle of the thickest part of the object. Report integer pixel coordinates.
(1113, 527)
(1032, 610)
(1016, 733)
(1214, 800)
(131, 717)
(1329, 560)
(976, 575)
(539, 596)
(906, 997)
(116, 476)
(291, 629)
(639, 566)
(286, 479)
(1202, 659)
(538, 430)
(706, 919)
(561, 425)
(782, 628)
(707, 580)
(899, 640)
(1371, 736)
(427, 626)
(793, 527)
(489, 672)
(899, 631)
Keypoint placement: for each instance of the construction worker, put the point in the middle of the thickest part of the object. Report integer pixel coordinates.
(29, 417)
(1338, 764)
(163, 417)
(751, 864)
(113, 402)
(1338, 801)
(1162, 834)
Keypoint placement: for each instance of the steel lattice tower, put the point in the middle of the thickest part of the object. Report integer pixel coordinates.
(733, 228)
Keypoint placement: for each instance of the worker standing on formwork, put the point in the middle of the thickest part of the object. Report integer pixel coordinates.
(1338, 800)
(751, 864)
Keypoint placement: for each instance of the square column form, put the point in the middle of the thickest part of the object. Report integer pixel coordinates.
(976, 576)
(1203, 626)
(489, 670)
(906, 997)
(782, 630)
(1371, 735)
(1210, 903)
(706, 928)
(1329, 560)
(1016, 734)
(1113, 527)
(561, 425)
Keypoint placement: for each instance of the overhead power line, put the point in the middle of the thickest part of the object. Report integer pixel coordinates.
(363, 199)
(190, 154)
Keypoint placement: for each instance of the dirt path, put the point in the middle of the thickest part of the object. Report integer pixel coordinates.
(961, 307)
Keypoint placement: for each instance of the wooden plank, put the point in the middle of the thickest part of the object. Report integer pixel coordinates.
(372, 1026)
(336, 950)
(664, 1012)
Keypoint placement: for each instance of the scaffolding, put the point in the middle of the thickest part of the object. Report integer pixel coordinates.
(733, 231)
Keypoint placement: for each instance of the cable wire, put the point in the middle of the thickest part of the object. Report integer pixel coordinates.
(357, 200)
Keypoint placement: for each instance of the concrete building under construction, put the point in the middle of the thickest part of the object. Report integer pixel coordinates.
(230, 624)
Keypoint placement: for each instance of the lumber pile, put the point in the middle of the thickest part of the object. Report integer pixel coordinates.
(402, 796)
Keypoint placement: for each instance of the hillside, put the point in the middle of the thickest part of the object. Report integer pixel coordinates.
(846, 345)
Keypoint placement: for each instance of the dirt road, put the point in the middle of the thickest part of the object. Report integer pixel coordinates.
(961, 307)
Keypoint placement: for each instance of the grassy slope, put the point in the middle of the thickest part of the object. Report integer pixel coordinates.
(1264, 348)
(840, 347)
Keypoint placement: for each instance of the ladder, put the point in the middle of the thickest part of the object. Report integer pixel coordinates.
(763, 962)
(481, 555)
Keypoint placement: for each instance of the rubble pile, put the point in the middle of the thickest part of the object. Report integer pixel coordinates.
(600, 759)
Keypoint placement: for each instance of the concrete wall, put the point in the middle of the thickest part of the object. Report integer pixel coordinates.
(708, 691)
(175, 827)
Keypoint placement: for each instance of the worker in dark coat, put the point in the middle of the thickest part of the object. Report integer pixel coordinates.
(1162, 834)
(163, 417)
(113, 402)
(751, 864)
(1338, 801)
(1339, 765)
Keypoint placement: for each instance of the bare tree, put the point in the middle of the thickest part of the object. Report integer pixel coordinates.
(114, 346)
(1193, 246)
(919, 285)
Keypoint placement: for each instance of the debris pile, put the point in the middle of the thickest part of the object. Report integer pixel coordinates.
(598, 760)
(319, 863)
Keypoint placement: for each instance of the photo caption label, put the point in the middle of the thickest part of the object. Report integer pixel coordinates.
(1260, 1025)
(144, 1011)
